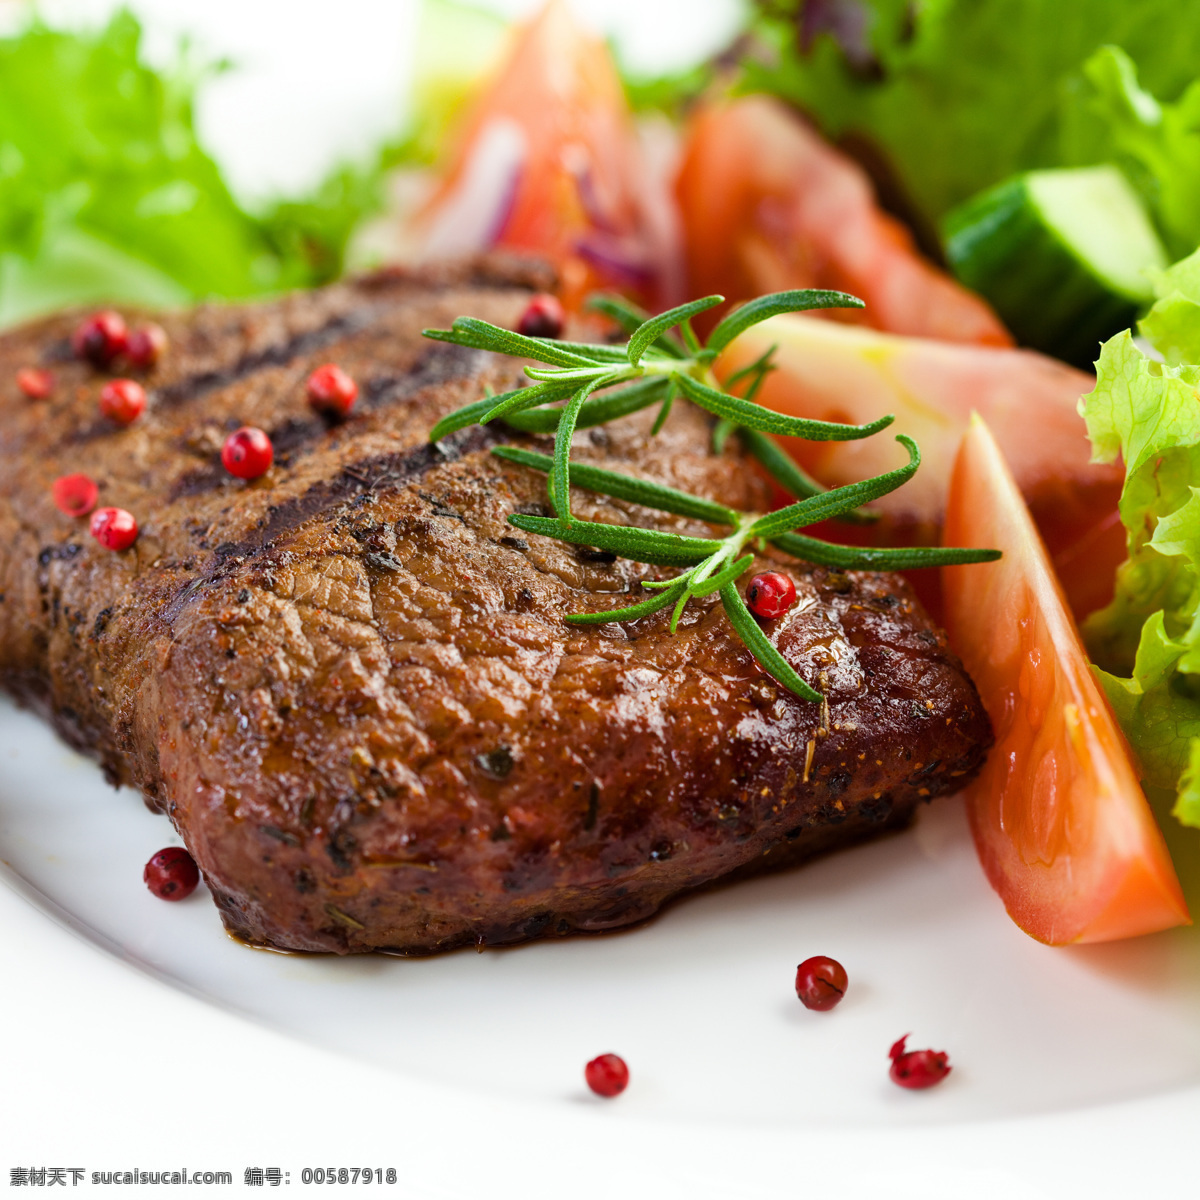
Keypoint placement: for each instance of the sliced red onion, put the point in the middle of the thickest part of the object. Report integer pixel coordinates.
(621, 260)
(578, 162)
(474, 214)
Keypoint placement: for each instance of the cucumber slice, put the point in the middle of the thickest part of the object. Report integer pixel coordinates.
(1064, 257)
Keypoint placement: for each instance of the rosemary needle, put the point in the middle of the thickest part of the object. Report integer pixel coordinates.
(583, 384)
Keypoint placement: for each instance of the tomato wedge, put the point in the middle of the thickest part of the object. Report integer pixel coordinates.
(839, 373)
(1060, 822)
(767, 204)
(548, 163)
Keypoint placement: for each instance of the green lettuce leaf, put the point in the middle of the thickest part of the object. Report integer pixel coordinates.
(1147, 414)
(1161, 721)
(1187, 800)
(107, 195)
(959, 94)
(1173, 324)
(1146, 643)
(1157, 144)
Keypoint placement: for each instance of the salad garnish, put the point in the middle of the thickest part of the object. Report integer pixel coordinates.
(1146, 642)
(957, 95)
(658, 366)
(107, 193)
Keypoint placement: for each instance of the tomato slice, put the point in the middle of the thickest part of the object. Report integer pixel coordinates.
(1087, 566)
(548, 163)
(767, 204)
(1060, 822)
(838, 373)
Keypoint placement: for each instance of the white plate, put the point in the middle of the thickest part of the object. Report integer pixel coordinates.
(699, 1001)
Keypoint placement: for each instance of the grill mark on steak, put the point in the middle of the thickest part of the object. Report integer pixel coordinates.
(441, 362)
(336, 329)
(365, 711)
(295, 439)
(357, 479)
(196, 386)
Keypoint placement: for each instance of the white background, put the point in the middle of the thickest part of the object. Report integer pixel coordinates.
(319, 82)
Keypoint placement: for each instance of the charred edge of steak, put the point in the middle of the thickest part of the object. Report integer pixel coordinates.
(85, 736)
(575, 911)
(502, 269)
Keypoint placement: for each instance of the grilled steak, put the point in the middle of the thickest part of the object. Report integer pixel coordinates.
(350, 684)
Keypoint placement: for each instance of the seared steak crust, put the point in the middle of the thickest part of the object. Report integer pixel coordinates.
(350, 683)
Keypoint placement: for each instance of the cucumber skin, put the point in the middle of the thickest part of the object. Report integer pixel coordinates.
(1067, 316)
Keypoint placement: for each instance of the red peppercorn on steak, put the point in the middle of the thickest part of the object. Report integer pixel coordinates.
(350, 684)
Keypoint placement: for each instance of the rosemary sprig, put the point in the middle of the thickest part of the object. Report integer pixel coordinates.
(576, 370)
(656, 366)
